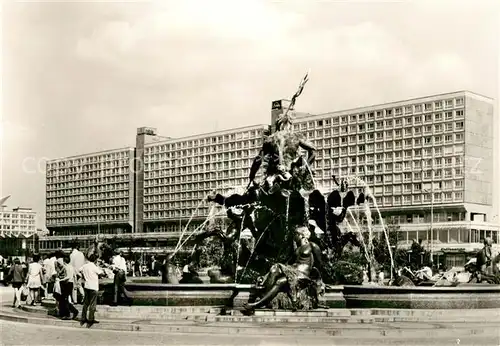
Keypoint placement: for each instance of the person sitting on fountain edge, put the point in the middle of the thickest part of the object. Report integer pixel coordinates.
(288, 278)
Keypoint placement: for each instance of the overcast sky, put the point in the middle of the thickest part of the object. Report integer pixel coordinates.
(81, 77)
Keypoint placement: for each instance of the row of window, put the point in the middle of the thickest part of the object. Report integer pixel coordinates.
(388, 135)
(437, 106)
(99, 212)
(227, 149)
(67, 202)
(10, 215)
(86, 219)
(212, 140)
(18, 227)
(415, 122)
(63, 188)
(397, 164)
(17, 222)
(74, 181)
(99, 159)
(451, 235)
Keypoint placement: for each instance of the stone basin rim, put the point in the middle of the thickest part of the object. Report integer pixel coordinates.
(422, 289)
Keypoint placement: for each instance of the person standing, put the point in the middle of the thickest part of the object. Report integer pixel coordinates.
(16, 277)
(34, 279)
(66, 281)
(90, 273)
(120, 269)
(77, 260)
(49, 267)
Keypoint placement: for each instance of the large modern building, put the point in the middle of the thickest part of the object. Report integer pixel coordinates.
(17, 231)
(428, 161)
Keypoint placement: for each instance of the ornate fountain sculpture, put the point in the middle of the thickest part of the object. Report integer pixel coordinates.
(277, 211)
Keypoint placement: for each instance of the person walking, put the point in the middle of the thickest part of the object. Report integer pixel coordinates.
(90, 273)
(16, 278)
(120, 269)
(77, 260)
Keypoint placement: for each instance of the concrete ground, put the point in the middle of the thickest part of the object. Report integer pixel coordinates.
(13, 333)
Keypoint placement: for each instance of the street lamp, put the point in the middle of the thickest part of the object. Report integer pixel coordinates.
(432, 220)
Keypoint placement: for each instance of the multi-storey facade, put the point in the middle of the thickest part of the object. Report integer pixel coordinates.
(180, 173)
(428, 161)
(17, 231)
(90, 194)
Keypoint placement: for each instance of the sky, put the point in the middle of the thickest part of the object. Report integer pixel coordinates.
(79, 77)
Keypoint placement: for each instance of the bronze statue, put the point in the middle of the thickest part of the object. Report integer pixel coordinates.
(291, 278)
(486, 266)
(240, 219)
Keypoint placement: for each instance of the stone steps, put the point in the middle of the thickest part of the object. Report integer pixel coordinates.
(344, 316)
(351, 330)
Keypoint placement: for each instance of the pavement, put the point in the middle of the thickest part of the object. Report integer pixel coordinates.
(467, 327)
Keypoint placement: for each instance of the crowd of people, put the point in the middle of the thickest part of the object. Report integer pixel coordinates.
(69, 279)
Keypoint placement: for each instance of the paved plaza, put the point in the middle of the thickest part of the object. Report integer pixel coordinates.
(25, 334)
(46, 330)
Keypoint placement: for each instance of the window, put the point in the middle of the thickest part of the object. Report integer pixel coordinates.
(459, 114)
(428, 107)
(438, 105)
(459, 101)
(448, 115)
(459, 137)
(408, 110)
(459, 125)
(418, 108)
(449, 104)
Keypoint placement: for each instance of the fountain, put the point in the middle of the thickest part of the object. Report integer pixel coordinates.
(284, 244)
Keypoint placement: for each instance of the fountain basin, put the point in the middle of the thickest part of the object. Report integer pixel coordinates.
(229, 295)
(466, 296)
